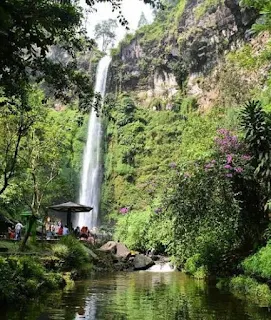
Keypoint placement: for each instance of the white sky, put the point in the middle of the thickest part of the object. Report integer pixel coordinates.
(131, 10)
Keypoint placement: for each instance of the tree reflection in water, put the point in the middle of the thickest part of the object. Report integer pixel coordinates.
(140, 295)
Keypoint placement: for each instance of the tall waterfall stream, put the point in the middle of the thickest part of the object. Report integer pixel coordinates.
(91, 177)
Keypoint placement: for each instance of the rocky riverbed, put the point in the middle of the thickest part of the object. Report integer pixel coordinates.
(117, 257)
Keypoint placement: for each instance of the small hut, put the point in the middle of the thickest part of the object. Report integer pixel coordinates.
(69, 208)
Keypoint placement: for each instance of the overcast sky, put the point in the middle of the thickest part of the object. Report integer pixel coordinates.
(131, 10)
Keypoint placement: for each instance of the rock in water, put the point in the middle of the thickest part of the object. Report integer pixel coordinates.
(122, 251)
(142, 262)
(110, 246)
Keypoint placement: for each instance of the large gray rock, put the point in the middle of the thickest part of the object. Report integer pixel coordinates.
(110, 246)
(122, 251)
(142, 262)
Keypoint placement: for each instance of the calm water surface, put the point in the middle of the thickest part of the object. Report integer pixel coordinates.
(142, 296)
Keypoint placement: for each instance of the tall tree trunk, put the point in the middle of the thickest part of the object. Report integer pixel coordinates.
(28, 231)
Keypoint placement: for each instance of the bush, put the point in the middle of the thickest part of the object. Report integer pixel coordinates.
(259, 264)
(25, 277)
(73, 253)
(131, 229)
(61, 251)
(194, 267)
(192, 264)
(251, 289)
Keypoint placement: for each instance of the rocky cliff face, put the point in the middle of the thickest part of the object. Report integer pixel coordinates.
(191, 43)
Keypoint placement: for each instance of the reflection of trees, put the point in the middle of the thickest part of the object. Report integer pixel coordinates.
(140, 295)
(169, 296)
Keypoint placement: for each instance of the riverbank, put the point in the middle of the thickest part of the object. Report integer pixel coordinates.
(45, 268)
(42, 268)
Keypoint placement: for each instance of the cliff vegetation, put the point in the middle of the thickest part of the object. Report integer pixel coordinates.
(187, 143)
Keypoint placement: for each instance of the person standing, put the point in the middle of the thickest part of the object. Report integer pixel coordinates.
(18, 230)
(65, 231)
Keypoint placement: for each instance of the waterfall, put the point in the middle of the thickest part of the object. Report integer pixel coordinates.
(91, 177)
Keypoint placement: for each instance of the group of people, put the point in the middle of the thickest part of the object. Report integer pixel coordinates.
(85, 234)
(54, 229)
(15, 232)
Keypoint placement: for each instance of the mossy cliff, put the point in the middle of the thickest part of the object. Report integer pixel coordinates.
(186, 42)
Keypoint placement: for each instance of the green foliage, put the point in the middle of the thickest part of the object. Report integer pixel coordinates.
(73, 253)
(244, 286)
(244, 57)
(259, 264)
(264, 7)
(204, 223)
(132, 229)
(23, 277)
(41, 150)
(258, 136)
(28, 31)
(193, 266)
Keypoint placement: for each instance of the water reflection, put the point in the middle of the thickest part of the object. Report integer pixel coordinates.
(139, 295)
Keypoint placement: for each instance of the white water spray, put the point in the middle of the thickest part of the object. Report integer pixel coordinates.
(162, 267)
(92, 163)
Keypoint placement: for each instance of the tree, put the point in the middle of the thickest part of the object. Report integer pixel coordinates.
(29, 28)
(105, 31)
(44, 149)
(16, 118)
(142, 20)
(257, 129)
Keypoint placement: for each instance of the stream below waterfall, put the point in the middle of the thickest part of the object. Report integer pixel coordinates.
(138, 295)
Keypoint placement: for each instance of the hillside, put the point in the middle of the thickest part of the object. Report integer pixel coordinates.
(178, 175)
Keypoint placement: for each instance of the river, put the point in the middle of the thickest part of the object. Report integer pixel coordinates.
(139, 295)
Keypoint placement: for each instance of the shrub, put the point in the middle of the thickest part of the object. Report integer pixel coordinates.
(259, 264)
(192, 264)
(24, 277)
(61, 251)
(251, 289)
(72, 252)
(131, 230)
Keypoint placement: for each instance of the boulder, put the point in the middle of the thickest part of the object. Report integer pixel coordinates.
(122, 251)
(110, 246)
(142, 262)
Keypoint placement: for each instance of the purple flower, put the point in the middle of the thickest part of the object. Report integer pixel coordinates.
(229, 175)
(124, 210)
(246, 157)
(213, 161)
(229, 158)
(226, 142)
(239, 170)
(223, 131)
(228, 166)
(209, 166)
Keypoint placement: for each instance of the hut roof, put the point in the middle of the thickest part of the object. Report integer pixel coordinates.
(70, 206)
